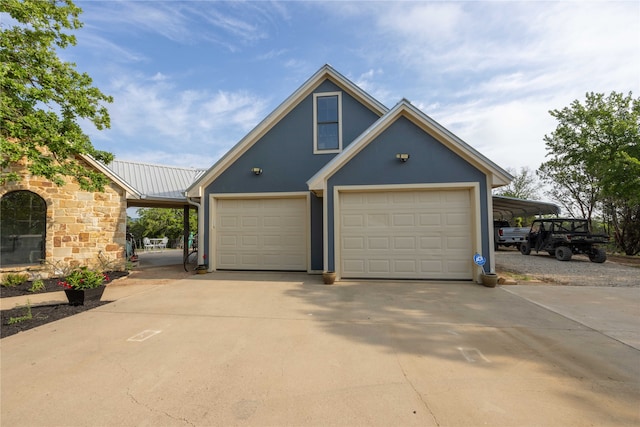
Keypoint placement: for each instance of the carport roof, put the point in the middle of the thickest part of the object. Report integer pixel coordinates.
(155, 185)
(508, 207)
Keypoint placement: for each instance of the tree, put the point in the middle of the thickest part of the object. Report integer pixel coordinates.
(523, 186)
(42, 97)
(161, 222)
(594, 162)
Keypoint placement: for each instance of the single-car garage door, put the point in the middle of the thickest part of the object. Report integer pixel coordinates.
(424, 234)
(261, 234)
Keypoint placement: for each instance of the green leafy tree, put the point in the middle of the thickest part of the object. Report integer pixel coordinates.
(42, 97)
(524, 185)
(161, 222)
(594, 162)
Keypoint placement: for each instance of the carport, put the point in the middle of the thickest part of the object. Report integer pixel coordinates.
(509, 207)
(156, 186)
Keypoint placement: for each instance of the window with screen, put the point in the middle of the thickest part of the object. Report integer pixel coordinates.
(327, 122)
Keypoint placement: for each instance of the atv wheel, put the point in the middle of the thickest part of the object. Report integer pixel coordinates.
(525, 249)
(563, 253)
(598, 255)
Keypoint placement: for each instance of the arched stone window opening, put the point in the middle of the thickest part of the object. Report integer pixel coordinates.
(23, 224)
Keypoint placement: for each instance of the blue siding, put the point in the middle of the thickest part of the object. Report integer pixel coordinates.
(430, 162)
(285, 154)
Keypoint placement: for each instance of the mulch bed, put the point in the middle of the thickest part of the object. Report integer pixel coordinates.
(44, 314)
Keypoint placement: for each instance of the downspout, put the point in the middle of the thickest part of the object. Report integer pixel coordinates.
(200, 229)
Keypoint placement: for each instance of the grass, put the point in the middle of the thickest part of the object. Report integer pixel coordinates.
(14, 279)
(26, 316)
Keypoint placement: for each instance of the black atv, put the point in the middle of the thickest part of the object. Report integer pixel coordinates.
(563, 237)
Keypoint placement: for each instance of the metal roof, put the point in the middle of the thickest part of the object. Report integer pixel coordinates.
(509, 207)
(156, 185)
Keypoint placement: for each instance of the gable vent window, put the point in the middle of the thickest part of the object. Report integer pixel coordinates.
(327, 114)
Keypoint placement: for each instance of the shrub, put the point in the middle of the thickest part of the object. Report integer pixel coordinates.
(14, 279)
(82, 278)
(37, 286)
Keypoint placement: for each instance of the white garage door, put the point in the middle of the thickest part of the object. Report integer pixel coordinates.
(261, 234)
(406, 234)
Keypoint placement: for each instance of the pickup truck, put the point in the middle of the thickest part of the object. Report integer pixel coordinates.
(505, 235)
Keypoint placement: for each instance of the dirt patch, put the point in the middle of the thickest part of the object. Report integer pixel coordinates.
(50, 285)
(25, 318)
(40, 315)
(633, 261)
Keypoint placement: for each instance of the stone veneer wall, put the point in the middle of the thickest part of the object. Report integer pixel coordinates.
(82, 227)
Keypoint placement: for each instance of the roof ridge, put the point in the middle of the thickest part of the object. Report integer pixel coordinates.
(157, 165)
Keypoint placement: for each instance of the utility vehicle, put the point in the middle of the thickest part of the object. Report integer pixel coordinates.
(564, 237)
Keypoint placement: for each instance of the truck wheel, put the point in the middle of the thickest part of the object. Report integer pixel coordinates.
(563, 253)
(525, 249)
(598, 255)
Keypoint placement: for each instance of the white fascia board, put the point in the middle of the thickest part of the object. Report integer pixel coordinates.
(499, 176)
(196, 189)
(132, 193)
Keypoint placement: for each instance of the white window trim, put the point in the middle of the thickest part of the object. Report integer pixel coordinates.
(315, 122)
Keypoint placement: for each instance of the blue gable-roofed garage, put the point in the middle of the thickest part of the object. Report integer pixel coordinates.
(334, 181)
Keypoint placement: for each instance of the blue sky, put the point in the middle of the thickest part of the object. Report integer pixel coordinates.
(190, 79)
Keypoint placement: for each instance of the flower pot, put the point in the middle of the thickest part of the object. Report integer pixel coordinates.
(79, 296)
(329, 277)
(490, 280)
(201, 269)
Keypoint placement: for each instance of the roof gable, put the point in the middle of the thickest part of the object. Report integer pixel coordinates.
(325, 73)
(405, 109)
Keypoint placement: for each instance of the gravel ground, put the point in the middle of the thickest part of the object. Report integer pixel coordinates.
(577, 272)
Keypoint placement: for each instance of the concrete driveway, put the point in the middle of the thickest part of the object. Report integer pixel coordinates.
(270, 349)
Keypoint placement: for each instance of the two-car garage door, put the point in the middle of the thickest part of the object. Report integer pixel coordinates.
(261, 234)
(424, 234)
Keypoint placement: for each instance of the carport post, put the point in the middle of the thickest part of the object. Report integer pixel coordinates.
(185, 228)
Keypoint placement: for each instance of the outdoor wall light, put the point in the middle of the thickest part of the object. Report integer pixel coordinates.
(256, 171)
(403, 157)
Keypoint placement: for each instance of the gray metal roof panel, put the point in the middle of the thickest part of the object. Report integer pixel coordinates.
(156, 181)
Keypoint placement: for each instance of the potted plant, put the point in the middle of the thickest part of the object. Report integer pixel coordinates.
(328, 277)
(490, 280)
(82, 285)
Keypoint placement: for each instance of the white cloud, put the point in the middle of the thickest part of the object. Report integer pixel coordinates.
(150, 111)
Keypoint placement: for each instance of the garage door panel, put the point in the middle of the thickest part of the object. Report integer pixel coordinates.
(430, 219)
(457, 219)
(353, 243)
(261, 234)
(229, 241)
(249, 241)
(378, 220)
(357, 266)
(381, 243)
(379, 266)
(404, 242)
(423, 234)
(404, 220)
(405, 266)
(430, 243)
(457, 242)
